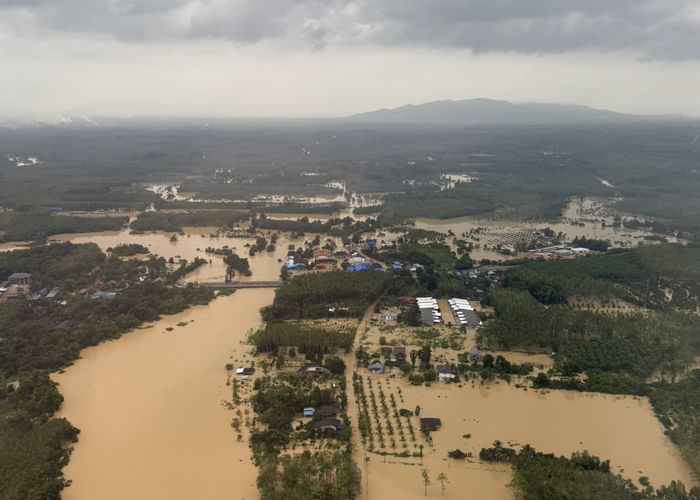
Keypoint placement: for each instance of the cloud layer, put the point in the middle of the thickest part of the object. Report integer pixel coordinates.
(655, 29)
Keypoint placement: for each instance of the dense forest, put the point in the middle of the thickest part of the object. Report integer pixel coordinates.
(38, 226)
(647, 276)
(33, 444)
(323, 475)
(176, 221)
(678, 407)
(313, 295)
(540, 476)
(517, 171)
(309, 339)
(128, 250)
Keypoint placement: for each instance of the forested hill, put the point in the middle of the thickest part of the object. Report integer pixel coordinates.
(480, 111)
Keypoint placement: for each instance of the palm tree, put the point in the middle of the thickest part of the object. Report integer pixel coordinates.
(425, 479)
(442, 479)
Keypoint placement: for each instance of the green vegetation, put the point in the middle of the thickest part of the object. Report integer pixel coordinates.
(521, 172)
(277, 403)
(47, 335)
(38, 226)
(322, 475)
(312, 295)
(32, 444)
(585, 341)
(66, 264)
(538, 476)
(348, 229)
(434, 254)
(591, 244)
(489, 367)
(309, 339)
(175, 222)
(128, 250)
(613, 353)
(678, 407)
(639, 276)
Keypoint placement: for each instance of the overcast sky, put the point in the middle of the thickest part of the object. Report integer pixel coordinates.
(260, 58)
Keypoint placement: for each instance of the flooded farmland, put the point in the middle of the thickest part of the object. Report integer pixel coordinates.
(620, 428)
(583, 217)
(149, 407)
(264, 266)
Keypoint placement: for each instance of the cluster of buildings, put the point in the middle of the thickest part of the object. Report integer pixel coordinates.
(325, 418)
(17, 286)
(464, 312)
(429, 310)
(322, 257)
(559, 252)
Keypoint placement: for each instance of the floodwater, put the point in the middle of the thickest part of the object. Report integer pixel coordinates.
(14, 245)
(264, 266)
(587, 217)
(149, 409)
(620, 428)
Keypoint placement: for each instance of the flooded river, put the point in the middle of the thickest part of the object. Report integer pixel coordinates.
(149, 409)
(149, 406)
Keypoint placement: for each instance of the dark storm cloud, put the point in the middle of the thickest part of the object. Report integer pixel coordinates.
(652, 28)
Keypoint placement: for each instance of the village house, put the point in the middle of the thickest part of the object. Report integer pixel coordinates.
(312, 369)
(398, 354)
(328, 425)
(430, 424)
(23, 279)
(328, 411)
(376, 368)
(245, 373)
(323, 255)
(446, 373)
(390, 316)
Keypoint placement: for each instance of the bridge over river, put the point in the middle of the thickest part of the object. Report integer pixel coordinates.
(241, 284)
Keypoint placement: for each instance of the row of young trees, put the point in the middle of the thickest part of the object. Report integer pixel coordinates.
(308, 339)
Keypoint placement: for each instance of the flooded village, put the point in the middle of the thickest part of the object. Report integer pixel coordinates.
(171, 409)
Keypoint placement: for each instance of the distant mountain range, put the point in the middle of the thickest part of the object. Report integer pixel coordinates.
(489, 111)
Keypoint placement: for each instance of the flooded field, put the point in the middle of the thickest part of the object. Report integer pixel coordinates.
(589, 218)
(149, 406)
(620, 428)
(264, 266)
(149, 409)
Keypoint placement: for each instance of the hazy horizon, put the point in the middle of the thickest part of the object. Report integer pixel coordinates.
(320, 59)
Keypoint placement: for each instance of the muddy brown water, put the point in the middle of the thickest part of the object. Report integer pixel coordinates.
(620, 428)
(153, 426)
(264, 266)
(149, 409)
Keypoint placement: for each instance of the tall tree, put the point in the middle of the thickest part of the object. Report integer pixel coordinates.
(442, 479)
(425, 479)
